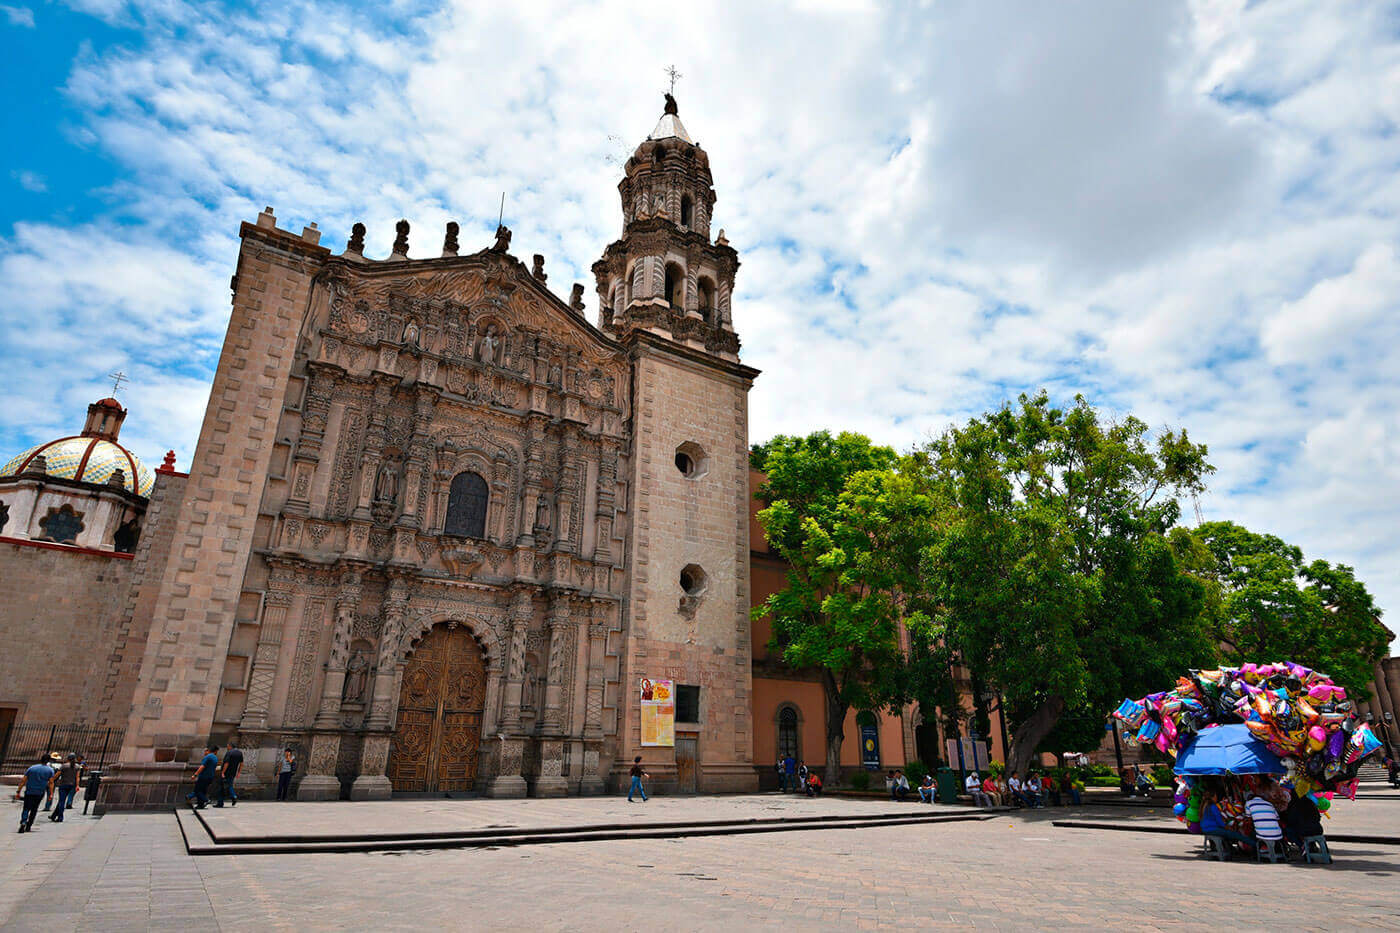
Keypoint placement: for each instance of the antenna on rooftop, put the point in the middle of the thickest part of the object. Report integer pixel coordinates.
(117, 378)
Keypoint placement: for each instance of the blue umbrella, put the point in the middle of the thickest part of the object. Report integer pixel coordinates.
(1229, 749)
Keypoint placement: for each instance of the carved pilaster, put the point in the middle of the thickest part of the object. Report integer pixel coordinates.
(276, 601)
(346, 605)
(597, 630)
(381, 707)
(558, 623)
(520, 612)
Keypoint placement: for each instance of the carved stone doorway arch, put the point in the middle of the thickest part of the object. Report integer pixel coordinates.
(437, 735)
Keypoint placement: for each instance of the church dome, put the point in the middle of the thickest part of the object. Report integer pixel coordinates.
(85, 459)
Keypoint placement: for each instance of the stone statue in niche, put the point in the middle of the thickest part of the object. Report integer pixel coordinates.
(489, 348)
(386, 483)
(410, 335)
(543, 519)
(556, 376)
(356, 678)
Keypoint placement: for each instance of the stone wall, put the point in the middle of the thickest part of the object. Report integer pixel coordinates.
(174, 701)
(56, 604)
(696, 523)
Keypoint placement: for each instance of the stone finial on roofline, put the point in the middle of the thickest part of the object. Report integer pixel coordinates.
(449, 242)
(356, 245)
(400, 241)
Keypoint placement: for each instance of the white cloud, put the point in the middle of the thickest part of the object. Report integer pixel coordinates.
(30, 181)
(1183, 209)
(18, 16)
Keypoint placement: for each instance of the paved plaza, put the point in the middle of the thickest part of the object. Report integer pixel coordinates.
(1014, 871)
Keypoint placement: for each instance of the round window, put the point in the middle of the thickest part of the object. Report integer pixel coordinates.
(690, 460)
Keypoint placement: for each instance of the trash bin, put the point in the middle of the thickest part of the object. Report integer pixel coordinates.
(947, 785)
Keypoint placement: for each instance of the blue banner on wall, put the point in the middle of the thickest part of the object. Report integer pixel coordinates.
(870, 747)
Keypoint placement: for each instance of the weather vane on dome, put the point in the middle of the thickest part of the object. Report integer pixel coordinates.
(117, 378)
(673, 74)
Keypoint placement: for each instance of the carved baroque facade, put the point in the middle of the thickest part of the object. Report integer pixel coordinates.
(441, 453)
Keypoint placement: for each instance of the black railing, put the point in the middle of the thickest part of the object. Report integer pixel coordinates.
(27, 743)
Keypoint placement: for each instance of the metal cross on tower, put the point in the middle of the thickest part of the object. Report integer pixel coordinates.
(117, 378)
(673, 74)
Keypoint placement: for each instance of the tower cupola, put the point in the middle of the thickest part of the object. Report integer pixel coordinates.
(666, 275)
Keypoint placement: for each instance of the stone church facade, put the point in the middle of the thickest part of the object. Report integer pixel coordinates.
(438, 525)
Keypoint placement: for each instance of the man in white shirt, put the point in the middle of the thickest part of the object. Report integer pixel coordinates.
(1263, 814)
(974, 787)
(1013, 784)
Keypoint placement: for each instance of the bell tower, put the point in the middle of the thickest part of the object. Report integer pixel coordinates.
(664, 292)
(665, 274)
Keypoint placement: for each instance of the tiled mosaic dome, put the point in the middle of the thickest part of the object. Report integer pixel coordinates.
(86, 459)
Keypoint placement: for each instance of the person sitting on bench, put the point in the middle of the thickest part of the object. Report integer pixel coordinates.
(1301, 820)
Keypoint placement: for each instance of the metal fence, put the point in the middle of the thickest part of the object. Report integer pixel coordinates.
(22, 745)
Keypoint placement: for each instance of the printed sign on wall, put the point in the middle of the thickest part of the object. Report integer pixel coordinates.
(658, 713)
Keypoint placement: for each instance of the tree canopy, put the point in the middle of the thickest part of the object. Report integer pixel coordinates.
(852, 521)
(1270, 604)
(1056, 583)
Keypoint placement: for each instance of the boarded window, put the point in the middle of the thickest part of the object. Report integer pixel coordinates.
(466, 506)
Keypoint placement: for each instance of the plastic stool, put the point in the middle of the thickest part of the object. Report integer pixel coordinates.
(1216, 847)
(1270, 848)
(1315, 850)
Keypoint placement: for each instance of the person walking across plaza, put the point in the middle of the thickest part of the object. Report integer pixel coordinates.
(228, 771)
(203, 777)
(67, 786)
(285, 770)
(38, 780)
(637, 774)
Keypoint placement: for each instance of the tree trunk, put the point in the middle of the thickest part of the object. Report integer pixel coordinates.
(1030, 731)
(835, 729)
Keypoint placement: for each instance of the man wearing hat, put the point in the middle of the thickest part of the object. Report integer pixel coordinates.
(67, 782)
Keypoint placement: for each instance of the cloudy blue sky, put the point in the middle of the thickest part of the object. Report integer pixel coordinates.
(1187, 210)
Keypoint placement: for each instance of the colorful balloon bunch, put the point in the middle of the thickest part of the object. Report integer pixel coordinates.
(1297, 712)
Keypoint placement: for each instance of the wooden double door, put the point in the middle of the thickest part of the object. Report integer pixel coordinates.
(437, 738)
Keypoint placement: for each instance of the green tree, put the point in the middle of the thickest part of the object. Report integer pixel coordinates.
(852, 521)
(1056, 583)
(1271, 605)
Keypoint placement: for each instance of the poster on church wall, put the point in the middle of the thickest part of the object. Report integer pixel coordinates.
(658, 713)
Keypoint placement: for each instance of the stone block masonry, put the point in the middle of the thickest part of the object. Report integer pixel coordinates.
(173, 703)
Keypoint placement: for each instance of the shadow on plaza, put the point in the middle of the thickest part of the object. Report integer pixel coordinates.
(1342, 860)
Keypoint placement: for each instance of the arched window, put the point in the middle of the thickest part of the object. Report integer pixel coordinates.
(706, 290)
(685, 210)
(466, 506)
(787, 733)
(675, 285)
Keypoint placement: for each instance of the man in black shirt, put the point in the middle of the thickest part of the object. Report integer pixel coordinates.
(233, 760)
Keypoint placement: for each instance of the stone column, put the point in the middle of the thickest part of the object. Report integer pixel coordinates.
(321, 782)
(607, 500)
(419, 451)
(374, 446)
(276, 601)
(510, 745)
(597, 631)
(558, 623)
(315, 410)
(372, 783)
(346, 604)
